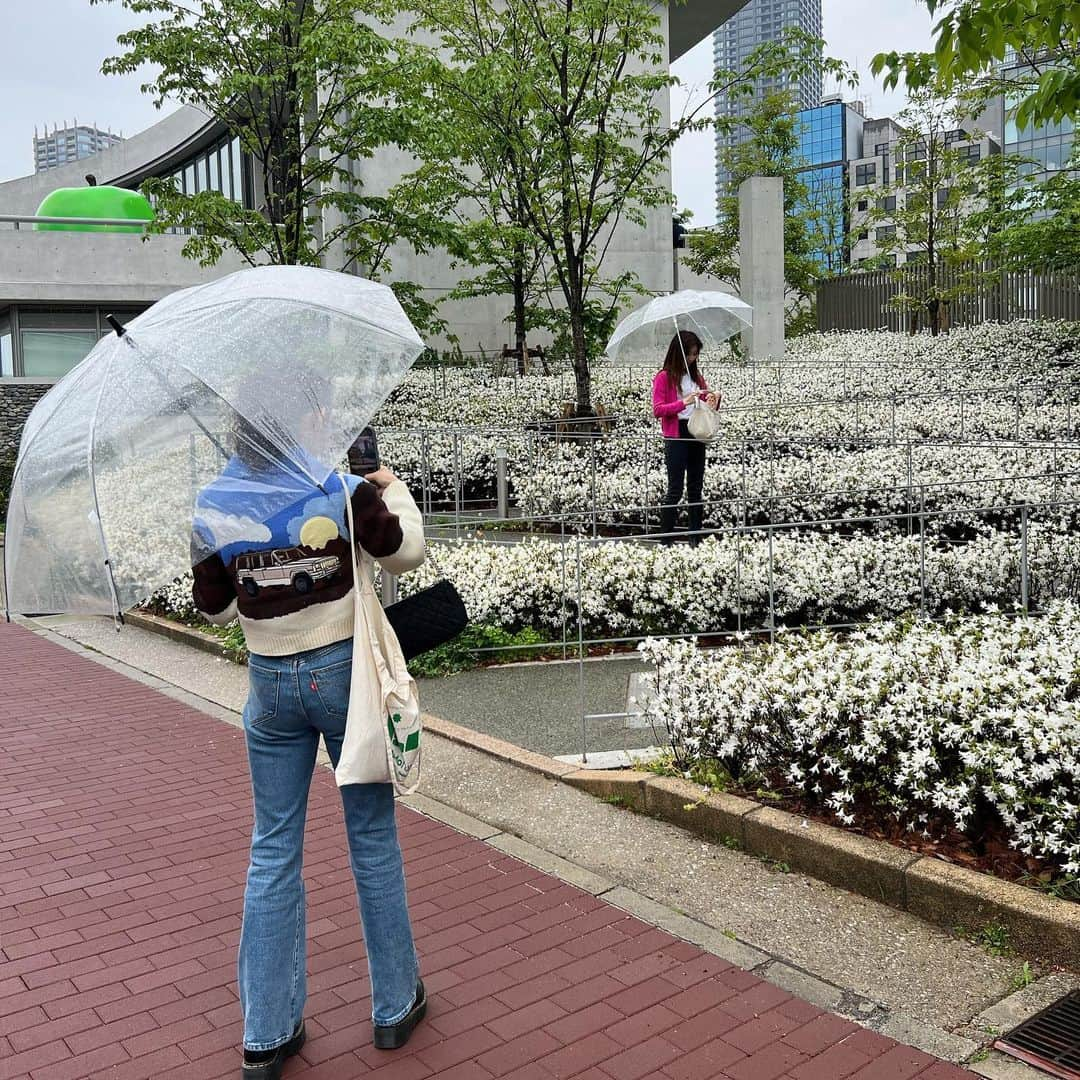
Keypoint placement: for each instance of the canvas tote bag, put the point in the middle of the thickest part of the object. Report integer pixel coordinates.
(704, 423)
(382, 727)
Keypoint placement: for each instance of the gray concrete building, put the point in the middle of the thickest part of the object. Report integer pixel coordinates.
(56, 287)
(870, 174)
(73, 142)
(756, 23)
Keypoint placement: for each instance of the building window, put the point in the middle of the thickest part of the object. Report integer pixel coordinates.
(970, 155)
(862, 204)
(48, 354)
(865, 174)
(881, 149)
(864, 235)
(888, 203)
(7, 356)
(884, 232)
(942, 198)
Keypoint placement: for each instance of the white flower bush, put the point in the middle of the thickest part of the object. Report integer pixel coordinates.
(934, 722)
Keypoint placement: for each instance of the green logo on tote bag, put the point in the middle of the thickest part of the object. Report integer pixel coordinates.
(412, 741)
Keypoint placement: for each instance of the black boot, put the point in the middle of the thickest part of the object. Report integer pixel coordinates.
(267, 1064)
(393, 1036)
(667, 523)
(696, 513)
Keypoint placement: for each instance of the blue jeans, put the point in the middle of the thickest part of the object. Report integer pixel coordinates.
(291, 701)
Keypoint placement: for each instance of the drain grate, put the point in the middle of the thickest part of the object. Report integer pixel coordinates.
(1050, 1040)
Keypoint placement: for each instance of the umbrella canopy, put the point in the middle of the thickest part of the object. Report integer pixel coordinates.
(281, 365)
(644, 335)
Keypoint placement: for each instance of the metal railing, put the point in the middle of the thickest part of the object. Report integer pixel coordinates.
(16, 221)
(575, 643)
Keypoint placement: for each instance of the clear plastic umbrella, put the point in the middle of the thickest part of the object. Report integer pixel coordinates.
(284, 363)
(644, 335)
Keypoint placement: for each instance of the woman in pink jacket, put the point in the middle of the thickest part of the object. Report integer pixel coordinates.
(676, 387)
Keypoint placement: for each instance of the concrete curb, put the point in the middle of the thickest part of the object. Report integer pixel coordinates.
(938, 892)
(186, 635)
(935, 891)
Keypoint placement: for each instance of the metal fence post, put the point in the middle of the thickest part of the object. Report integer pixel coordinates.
(1025, 584)
(389, 588)
(738, 579)
(910, 507)
(772, 594)
(893, 424)
(501, 486)
(592, 482)
(961, 414)
(922, 553)
(1016, 427)
(457, 485)
(562, 559)
(645, 481)
(581, 657)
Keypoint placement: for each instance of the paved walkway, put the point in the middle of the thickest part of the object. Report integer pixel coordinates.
(124, 820)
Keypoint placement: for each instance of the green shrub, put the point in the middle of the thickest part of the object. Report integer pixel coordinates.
(460, 654)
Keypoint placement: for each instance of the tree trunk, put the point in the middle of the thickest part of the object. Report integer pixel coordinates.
(933, 308)
(582, 380)
(519, 312)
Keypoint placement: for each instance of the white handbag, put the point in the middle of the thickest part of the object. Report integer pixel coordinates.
(704, 423)
(383, 725)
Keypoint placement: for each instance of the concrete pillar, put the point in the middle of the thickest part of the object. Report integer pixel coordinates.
(761, 263)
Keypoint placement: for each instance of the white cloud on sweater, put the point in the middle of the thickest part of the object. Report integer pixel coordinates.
(232, 528)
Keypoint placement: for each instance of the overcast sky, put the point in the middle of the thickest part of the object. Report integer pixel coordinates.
(54, 50)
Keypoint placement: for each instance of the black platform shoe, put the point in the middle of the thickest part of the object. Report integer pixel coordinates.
(267, 1064)
(393, 1036)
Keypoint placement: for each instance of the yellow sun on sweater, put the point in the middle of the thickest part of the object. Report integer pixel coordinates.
(317, 532)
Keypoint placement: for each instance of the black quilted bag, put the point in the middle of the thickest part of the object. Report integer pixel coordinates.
(428, 619)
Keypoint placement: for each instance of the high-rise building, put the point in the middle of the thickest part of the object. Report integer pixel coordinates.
(70, 143)
(830, 137)
(758, 22)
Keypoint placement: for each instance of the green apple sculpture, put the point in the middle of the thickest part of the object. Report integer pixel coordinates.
(94, 202)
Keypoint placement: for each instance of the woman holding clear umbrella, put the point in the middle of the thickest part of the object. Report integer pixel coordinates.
(677, 387)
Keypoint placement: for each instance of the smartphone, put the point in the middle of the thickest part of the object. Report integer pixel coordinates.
(364, 453)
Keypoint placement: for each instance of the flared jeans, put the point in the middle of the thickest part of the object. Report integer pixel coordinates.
(293, 700)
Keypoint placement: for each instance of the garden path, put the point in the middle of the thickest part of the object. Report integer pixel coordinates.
(124, 817)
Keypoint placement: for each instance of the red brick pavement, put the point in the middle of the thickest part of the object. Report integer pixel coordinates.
(124, 820)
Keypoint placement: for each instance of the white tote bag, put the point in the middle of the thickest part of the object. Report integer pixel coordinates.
(383, 727)
(704, 423)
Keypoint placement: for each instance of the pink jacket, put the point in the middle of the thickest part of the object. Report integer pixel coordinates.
(667, 403)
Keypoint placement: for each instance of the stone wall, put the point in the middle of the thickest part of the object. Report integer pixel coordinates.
(16, 401)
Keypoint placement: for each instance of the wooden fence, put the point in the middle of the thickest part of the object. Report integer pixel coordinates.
(865, 300)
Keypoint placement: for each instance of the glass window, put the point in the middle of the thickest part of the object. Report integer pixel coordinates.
(203, 165)
(215, 176)
(942, 198)
(865, 174)
(884, 232)
(48, 354)
(189, 180)
(7, 357)
(888, 203)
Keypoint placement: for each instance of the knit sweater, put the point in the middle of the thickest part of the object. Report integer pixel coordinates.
(288, 576)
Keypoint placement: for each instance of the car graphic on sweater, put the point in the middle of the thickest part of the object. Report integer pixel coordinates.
(283, 567)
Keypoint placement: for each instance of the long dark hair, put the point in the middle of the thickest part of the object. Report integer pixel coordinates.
(678, 357)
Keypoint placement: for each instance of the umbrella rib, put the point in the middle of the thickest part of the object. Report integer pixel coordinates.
(228, 404)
